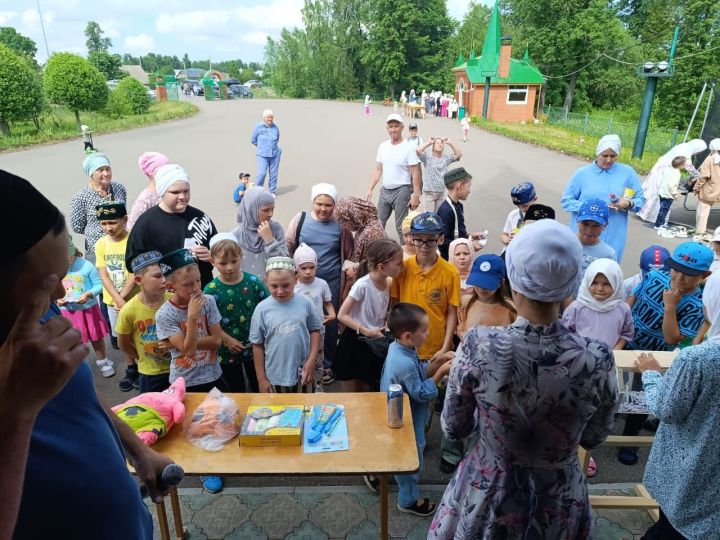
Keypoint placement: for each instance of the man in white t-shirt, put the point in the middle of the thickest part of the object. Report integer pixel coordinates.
(399, 167)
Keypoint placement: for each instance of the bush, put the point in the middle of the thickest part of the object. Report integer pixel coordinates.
(133, 96)
(20, 92)
(116, 106)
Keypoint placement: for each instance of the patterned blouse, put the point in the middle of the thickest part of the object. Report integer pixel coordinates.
(681, 470)
(82, 212)
(530, 394)
(145, 201)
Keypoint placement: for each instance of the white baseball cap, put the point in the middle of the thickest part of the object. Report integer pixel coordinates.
(716, 235)
(394, 117)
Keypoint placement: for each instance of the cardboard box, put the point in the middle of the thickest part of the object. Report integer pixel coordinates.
(273, 425)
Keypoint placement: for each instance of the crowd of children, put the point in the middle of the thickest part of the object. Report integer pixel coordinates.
(403, 317)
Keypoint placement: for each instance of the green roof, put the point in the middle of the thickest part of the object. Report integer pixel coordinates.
(522, 71)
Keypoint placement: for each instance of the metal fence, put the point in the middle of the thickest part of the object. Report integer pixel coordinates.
(659, 140)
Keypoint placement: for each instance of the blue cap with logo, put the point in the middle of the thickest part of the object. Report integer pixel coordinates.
(523, 193)
(654, 258)
(487, 272)
(691, 258)
(595, 210)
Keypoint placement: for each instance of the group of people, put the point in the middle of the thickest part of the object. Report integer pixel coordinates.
(520, 342)
(435, 103)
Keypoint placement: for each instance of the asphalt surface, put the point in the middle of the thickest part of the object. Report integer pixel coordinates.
(322, 141)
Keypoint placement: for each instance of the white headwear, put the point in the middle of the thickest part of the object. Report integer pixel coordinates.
(167, 175)
(711, 303)
(219, 237)
(543, 261)
(608, 142)
(714, 146)
(612, 271)
(323, 189)
(267, 112)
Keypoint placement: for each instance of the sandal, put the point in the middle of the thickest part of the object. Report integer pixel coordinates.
(373, 483)
(427, 508)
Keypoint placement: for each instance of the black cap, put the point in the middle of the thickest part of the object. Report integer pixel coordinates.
(413, 126)
(536, 212)
(21, 202)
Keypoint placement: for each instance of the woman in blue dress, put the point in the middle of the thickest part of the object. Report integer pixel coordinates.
(605, 179)
(530, 393)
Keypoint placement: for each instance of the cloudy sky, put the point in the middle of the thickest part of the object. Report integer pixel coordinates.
(217, 29)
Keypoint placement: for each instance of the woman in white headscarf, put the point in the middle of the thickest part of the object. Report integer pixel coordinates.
(686, 399)
(532, 392)
(707, 187)
(651, 185)
(616, 183)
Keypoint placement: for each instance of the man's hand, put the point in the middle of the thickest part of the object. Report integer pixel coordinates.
(308, 371)
(369, 193)
(54, 350)
(647, 362)
(195, 306)
(414, 201)
(149, 466)
(671, 298)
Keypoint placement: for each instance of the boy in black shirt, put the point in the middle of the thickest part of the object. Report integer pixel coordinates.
(451, 211)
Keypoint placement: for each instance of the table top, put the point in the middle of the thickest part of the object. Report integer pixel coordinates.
(374, 447)
(626, 359)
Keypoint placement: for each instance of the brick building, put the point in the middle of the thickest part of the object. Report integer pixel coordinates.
(514, 83)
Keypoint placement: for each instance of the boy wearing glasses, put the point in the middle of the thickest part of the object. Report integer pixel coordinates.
(431, 283)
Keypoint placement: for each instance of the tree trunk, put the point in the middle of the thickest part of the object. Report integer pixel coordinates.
(36, 121)
(77, 119)
(570, 91)
(392, 91)
(4, 127)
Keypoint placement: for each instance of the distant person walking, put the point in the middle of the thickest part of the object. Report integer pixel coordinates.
(265, 137)
(398, 165)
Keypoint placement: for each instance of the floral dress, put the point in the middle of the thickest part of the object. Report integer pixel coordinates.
(531, 394)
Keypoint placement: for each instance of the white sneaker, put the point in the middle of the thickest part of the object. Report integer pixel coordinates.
(106, 367)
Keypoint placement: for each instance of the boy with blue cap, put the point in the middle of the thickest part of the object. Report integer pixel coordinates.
(592, 220)
(667, 312)
(652, 258)
(523, 195)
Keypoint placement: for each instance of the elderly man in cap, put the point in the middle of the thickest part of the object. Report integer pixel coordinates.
(265, 137)
(63, 453)
(399, 167)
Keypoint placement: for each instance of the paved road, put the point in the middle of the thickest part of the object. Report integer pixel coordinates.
(322, 142)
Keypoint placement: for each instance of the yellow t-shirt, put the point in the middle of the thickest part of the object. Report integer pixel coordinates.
(111, 256)
(139, 320)
(434, 290)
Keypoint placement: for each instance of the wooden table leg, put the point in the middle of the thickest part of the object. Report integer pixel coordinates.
(384, 507)
(177, 514)
(162, 520)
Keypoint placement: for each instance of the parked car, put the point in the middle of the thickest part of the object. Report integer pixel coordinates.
(254, 83)
(198, 89)
(232, 81)
(240, 91)
(151, 93)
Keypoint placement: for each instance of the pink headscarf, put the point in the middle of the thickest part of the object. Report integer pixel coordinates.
(150, 162)
(464, 289)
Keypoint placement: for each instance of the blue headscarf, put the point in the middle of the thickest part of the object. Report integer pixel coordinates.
(93, 162)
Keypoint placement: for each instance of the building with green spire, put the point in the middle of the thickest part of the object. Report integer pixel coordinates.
(514, 83)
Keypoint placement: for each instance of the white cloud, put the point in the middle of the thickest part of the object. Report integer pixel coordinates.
(192, 22)
(30, 17)
(141, 43)
(6, 17)
(257, 38)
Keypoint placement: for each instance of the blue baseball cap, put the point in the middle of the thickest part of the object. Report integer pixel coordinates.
(691, 258)
(654, 258)
(523, 193)
(595, 210)
(487, 272)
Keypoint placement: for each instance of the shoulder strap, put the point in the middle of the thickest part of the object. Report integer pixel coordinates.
(299, 228)
(457, 225)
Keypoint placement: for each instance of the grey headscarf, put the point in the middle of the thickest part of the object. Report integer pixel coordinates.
(543, 261)
(247, 217)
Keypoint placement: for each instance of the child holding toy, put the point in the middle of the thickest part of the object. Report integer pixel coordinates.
(237, 294)
(285, 333)
(318, 291)
(242, 187)
(409, 324)
(136, 326)
(82, 284)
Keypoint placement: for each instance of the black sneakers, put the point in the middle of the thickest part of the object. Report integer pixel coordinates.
(130, 380)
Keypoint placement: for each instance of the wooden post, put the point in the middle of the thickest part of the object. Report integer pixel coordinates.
(162, 520)
(384, 534)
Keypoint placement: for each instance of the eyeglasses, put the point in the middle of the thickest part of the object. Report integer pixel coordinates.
(417, 242)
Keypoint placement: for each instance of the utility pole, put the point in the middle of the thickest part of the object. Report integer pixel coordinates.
(42, 25)
(652, 72)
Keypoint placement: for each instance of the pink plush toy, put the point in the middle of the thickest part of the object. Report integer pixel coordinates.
(153, 414)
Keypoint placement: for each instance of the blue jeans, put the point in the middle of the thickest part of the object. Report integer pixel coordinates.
(665, 205)
(268, 165)
(408, 490)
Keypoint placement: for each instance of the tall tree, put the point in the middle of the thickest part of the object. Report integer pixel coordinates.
(107, 64)
(74, 82)
(95, 41)
(471, 32)
(18, 43)
(186, 60)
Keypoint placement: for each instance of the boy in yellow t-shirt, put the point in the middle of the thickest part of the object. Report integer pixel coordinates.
(136, 329)
(431, 283)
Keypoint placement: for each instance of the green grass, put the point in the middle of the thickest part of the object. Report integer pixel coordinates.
(58, 124)
(564, 141)
(264, 92)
